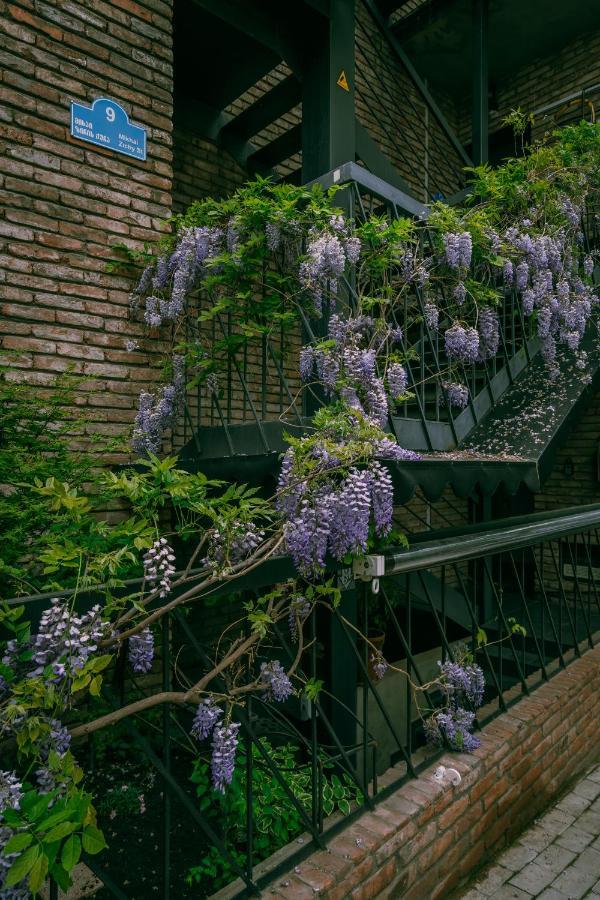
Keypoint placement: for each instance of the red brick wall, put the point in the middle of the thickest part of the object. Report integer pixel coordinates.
(426, 839)
(66, 203)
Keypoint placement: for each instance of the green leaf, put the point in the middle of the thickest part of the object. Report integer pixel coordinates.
(71, 852)
(17, 843)
(22, 866)
(93, 839)
(61, 831)
(61, 877)
(38, 873)
(344, 807)
(95, 686)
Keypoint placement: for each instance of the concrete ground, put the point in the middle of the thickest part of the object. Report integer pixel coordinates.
(557, 858)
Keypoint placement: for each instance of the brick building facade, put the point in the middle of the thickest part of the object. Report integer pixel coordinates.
(61, 308)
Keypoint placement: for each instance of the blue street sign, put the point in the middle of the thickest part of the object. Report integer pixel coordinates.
(106, 124)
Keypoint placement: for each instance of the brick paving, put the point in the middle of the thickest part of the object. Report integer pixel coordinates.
(557, 858)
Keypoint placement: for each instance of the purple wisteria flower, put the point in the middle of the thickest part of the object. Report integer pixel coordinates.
(300, 609)
(58, 739)
(463, 679)
(432, 316)
(158, 566)
(141, 651)
(307, 363)
(457, 395)
(207, 716)
(462, 342)
(11, 791)
(397, 379)
(158, 413)
(382, 498)
(224, 746)
(379, 665)
(489, 332)
(273, 234)
(458, 248)
(65, 641)
(274, 678)
(454, 727)
(388, 449)
(351, 513)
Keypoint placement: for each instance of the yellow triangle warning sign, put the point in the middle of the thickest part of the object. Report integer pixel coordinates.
(343, 81)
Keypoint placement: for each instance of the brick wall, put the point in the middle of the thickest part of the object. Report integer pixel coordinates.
(201, 169)
(66, 203)
(426, 839)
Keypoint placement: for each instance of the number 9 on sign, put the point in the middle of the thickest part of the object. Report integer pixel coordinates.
(110, 114)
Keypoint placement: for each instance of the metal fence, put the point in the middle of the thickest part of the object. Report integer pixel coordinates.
(322, 759)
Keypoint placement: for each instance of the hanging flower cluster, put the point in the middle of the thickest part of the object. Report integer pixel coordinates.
(327, 253)
(346, 365)
(157, 413)
(141, 651)
(159, 566)
(62, 646)
(232, 542)
(463, 685)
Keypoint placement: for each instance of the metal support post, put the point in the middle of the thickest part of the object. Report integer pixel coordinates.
(480, 81)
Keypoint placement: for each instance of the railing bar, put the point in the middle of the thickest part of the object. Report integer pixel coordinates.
(365, 695)
(525, 609)
(471, 612)
(539, 571)
(368, 685)
(577, 591)
(246, 392)
(564, 598)
(250, 732)
(283, 383)
(592, 579)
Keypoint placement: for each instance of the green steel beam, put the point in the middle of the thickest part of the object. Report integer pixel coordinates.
(328, 132)
(480, 143)
(276, 151)
(267, 109)
(376, 161)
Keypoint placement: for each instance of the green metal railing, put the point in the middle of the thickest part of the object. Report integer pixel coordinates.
(540, 571)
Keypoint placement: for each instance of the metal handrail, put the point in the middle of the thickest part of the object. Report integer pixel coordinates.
(507, 536)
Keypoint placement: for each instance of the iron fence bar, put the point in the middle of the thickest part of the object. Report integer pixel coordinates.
(252, 735)
(563, 597)
(365, 697)
(403, 640)
(104, 877)
(590, 568)
(283, 383)
(216, 403)
(249, 800)
(193, 428)
(540, 577)
(245, 390)
(471, 611)
(382, 709)
(515, 655)
(417, 397)
(577, 592)
(166, 749)
(318, 709)
(525, 610)
(433, 610)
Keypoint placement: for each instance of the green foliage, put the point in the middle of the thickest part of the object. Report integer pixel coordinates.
(50, 832)
(276, 819)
